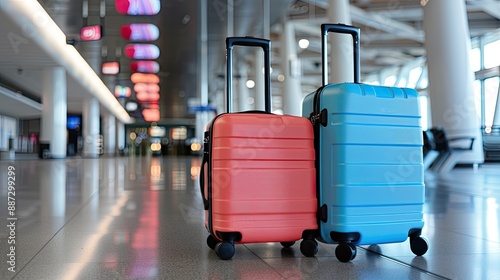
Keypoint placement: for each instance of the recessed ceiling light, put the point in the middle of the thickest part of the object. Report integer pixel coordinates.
(303, 43)
(250, 84)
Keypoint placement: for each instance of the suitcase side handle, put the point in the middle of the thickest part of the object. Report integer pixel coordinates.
(204, 161)
(202, 180)
(248, 42)
(345, 29)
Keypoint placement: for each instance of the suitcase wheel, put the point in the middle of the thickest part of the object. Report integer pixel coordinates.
(287, 244)
(309, 247)
(225, 250)
(212, 241)
(418, 245)
(345, 252)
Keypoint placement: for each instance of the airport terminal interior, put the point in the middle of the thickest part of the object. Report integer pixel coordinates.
(104, 105)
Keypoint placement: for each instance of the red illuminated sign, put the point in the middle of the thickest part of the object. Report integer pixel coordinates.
(138, 7)
(146, 87)
(110, 68)
(91, 33)
(142, 51)
(145, 66)
(151, 115)
(147, 96)
(144, 78)
(140, 32)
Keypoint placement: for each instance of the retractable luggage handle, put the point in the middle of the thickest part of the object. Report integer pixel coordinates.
(339, 28)
(319, 116)
(230, 43)
(248, 42)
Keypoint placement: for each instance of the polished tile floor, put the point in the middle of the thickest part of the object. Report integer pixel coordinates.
(142, 218)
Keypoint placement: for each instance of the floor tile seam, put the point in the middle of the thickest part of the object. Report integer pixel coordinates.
(471, 179)
(263, 260)
(391, 259)
(489, 171)
(488, 192)
(106, 183)
(468, 235)
(450, 189)
(402, 263)
(461, 178)
(57, 232)
(459, 233)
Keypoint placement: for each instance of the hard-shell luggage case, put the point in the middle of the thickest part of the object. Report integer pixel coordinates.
(369, 160)
(258, 179)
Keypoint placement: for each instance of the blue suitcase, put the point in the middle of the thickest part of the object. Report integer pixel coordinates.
(369, 160)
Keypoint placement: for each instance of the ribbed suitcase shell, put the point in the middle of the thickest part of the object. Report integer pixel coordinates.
(263, 177)
(370, 162)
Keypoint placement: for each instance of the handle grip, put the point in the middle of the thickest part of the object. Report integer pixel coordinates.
(204, 161)
(345, 29)
(202, 181)
(248, 42)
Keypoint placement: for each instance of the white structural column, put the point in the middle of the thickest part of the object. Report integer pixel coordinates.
(90, 126)
(242, 92)
(450, 76)
(292, 93)
(54, 110)
(341, 53)
(109, 121)
(259, 80)
(202, 116)
(259, 101)
(120, 136)
(109, 131)
(90, 109)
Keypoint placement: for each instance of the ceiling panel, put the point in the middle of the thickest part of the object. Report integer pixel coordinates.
(391, 35)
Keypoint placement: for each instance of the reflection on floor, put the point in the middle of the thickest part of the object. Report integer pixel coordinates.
(142, 218)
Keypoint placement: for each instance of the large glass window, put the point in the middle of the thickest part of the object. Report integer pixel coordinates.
(390, 81)
(374, 83)
(424, 111)
(475, 59)
(372, 80)
(490, 99)
(413, 77)
(492, 54)
(402, 82)
(424, 81)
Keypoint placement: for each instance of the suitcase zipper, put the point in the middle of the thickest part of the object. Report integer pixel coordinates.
(321, 118)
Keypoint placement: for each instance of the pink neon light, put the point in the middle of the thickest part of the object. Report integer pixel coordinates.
(138, 7)
(145, 66)
(140, 32)
(142, 51)
(90, 33)
(145, 87)
(147, 97)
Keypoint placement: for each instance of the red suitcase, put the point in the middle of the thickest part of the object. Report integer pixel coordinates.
(258, 179)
